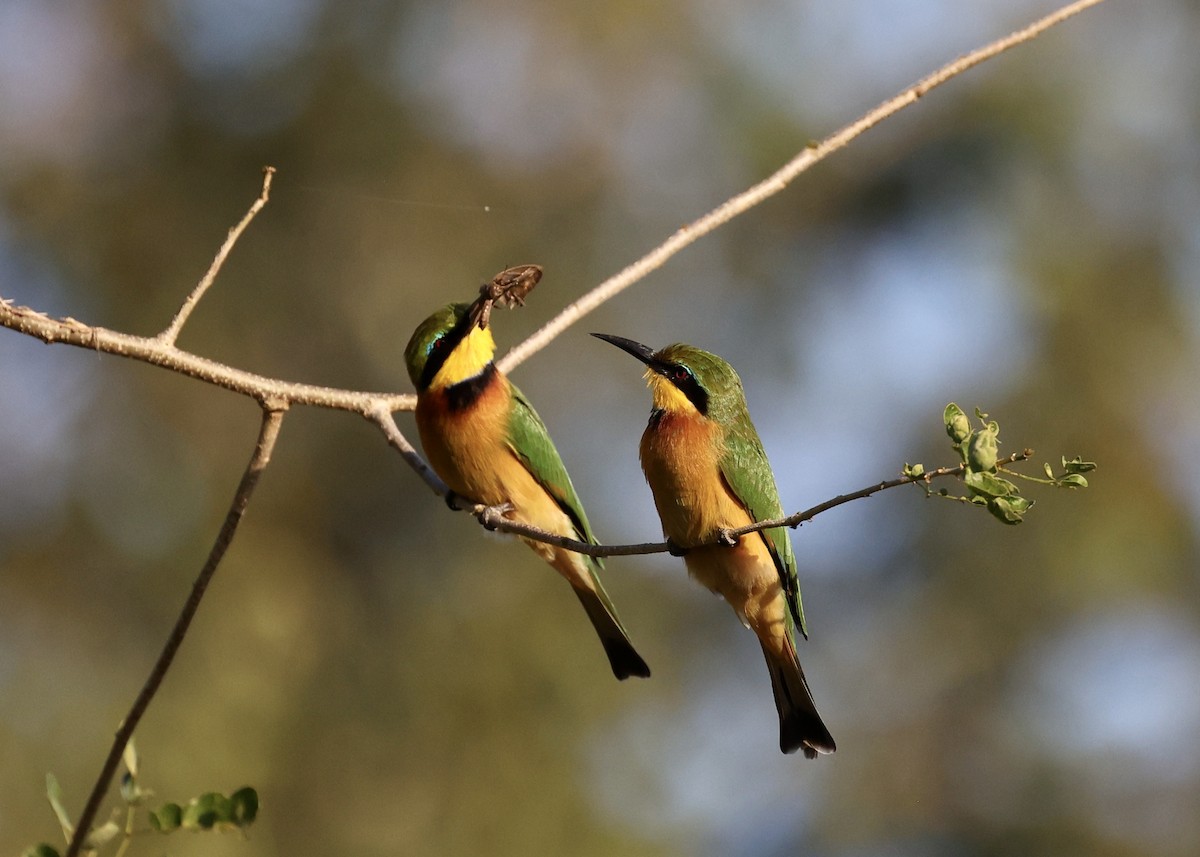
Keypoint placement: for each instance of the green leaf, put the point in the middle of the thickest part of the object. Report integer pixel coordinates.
(1009, 510)
(1049, 470)
(958, 427)
(167, 818)
(54, 793)
(42, 850)
(1073, 480)
(914, 471)
(206, 811)
(244, 806)
(1078, 465)
(989, 484)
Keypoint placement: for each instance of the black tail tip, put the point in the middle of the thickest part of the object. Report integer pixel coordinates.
(805, 734)
(626, 662)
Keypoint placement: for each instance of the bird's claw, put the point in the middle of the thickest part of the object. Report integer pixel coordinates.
(452, 501)
(492, 516)
(674, 548)
(726, 538)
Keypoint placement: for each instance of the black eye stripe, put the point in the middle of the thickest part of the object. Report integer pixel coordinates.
(441, 347)
(685, 380)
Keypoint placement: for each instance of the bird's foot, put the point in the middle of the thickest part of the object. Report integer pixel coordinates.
(726, 537)
(492, 516)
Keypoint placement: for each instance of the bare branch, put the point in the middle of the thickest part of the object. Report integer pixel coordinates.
(168, 336)
(160, 350)
(268, 433)
(275, 396)
(154, 351)
(772, 185)
(493, 518)
(382, 417)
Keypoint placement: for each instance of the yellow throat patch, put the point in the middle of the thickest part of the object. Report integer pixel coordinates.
(467, 360)
(667, 396)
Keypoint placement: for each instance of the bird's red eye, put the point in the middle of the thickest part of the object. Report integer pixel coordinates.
(437, 344)
(680, 374)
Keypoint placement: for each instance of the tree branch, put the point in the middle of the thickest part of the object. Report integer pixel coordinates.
(168, 336)
(276, 396)
(772, 185)
(382, 417)
(494, 518)
(152, 350)
(160, 350)
(268, 433)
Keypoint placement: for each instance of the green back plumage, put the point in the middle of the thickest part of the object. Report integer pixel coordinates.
(748, 475)
(530, 441)
(744, 465)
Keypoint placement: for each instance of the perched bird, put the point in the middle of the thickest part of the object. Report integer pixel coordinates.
(708, 473)
(487, 443)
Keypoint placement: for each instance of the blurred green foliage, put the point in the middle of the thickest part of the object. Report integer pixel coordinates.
(115, 836)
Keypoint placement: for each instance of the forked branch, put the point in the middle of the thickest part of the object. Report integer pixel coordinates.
(168, 336)
(275, 396)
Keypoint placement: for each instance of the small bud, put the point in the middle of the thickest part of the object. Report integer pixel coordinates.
(958, 426)
(983, 448)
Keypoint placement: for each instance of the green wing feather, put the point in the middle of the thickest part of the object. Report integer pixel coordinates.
(529, 439)
(748, 475)
(530, 442)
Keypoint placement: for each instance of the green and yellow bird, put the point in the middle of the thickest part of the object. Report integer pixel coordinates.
(488, 445)
(708, 473)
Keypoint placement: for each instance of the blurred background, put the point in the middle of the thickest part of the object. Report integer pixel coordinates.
(394, 680)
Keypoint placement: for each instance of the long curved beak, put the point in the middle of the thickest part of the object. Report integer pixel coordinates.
(642, 352)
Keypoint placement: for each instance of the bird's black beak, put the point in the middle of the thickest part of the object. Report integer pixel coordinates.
(642, 352)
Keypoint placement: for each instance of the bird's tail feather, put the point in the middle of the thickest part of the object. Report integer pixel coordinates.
(622, 656)
(800, 726)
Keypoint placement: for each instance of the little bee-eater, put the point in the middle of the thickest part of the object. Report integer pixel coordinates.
(487, 443)
(708, 473)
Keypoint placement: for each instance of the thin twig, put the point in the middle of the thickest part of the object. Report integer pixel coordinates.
(772, 185)
(168, 336)
(268, 433)
(494, 518)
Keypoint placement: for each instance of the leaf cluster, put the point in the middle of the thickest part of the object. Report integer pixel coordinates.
(209, 811)
(985, 475)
